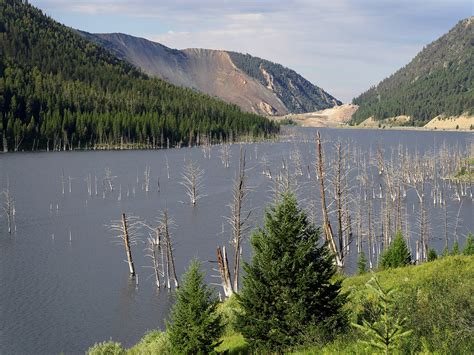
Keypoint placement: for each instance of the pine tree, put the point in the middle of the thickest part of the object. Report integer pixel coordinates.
(384, 333)
(288, 287)
(432, 255)
(195, 327)
(469, 248)
(362, 264)
(397, 254)
(455, 250)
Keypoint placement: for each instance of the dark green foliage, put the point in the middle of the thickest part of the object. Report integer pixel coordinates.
(195, 326)
(469, 248)
(438, 81)
(455, 250)
(385, 332)
(362, 264)
(397, 253)
(289, 286)
(59, 89)
(432, 255)
(106, 348)
(296, 93)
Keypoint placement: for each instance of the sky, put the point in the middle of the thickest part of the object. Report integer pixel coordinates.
(343, 46)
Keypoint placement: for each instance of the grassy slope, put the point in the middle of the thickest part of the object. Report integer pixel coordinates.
(459, 270)
(450, 279)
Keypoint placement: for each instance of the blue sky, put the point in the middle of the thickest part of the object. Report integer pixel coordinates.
(344, 46)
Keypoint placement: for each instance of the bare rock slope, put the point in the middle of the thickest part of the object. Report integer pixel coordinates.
(254, 84)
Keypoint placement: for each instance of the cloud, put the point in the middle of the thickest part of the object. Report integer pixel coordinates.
(344, 46)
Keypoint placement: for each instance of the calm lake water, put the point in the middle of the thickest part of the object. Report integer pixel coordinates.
(63, 282)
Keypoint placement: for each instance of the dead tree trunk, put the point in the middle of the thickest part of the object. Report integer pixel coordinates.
(126, 240)
(8, 208)
(193, 181)
(238, 221)
(223, 266)
(326, 222)
(171, 270)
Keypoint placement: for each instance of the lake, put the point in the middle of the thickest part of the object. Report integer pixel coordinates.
(64, 284)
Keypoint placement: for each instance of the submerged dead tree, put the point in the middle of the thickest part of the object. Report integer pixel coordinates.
(128, 229)
(326, 222)
(166, 222)
(225, 155)
(155, 253)
(160, 251)
(8, 207)
(339, 179)
(238, 222)
(223, 266)
(193, 177)
(238, 219)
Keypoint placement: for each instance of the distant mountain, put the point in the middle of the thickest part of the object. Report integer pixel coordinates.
(438, 81)
(61, 91)
(254, 84)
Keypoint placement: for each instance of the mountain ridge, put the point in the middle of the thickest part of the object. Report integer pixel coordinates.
(438, 81)
(61, 91)
(229, 75)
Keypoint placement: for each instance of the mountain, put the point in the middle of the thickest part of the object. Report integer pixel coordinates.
(438, 81)
(60, 90)
(254, 84)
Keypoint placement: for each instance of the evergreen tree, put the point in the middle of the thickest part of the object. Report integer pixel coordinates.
(288, 287)
(432, 255)
(469, 248)
(385, 332)
(362, 264)
(455, 250)
(397, 253)
(195, 327)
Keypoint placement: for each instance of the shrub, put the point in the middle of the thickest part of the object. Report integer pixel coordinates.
(106, 348)
(155, 342)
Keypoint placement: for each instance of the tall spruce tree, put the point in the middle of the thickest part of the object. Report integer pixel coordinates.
(195, 327)
(469, 248)
(288, 287)
(397, 253)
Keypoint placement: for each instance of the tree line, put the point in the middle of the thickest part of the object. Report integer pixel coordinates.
(58, 90)
(438, 81)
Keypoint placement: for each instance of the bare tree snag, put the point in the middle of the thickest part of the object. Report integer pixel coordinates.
(128, 229)
(237, 221)
(193, 177)
(8, 208)
(326, 222)
(171, 270)
(223, 266)
(126, 240)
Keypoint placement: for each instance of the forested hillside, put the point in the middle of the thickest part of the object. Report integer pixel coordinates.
(296, 93)
(255, 85)
(59, 90)
(438, 81)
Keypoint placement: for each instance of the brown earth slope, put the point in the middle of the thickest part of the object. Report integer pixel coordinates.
(215, 73)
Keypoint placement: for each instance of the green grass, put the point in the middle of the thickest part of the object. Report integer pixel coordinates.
(233, 344)
(435, 297)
